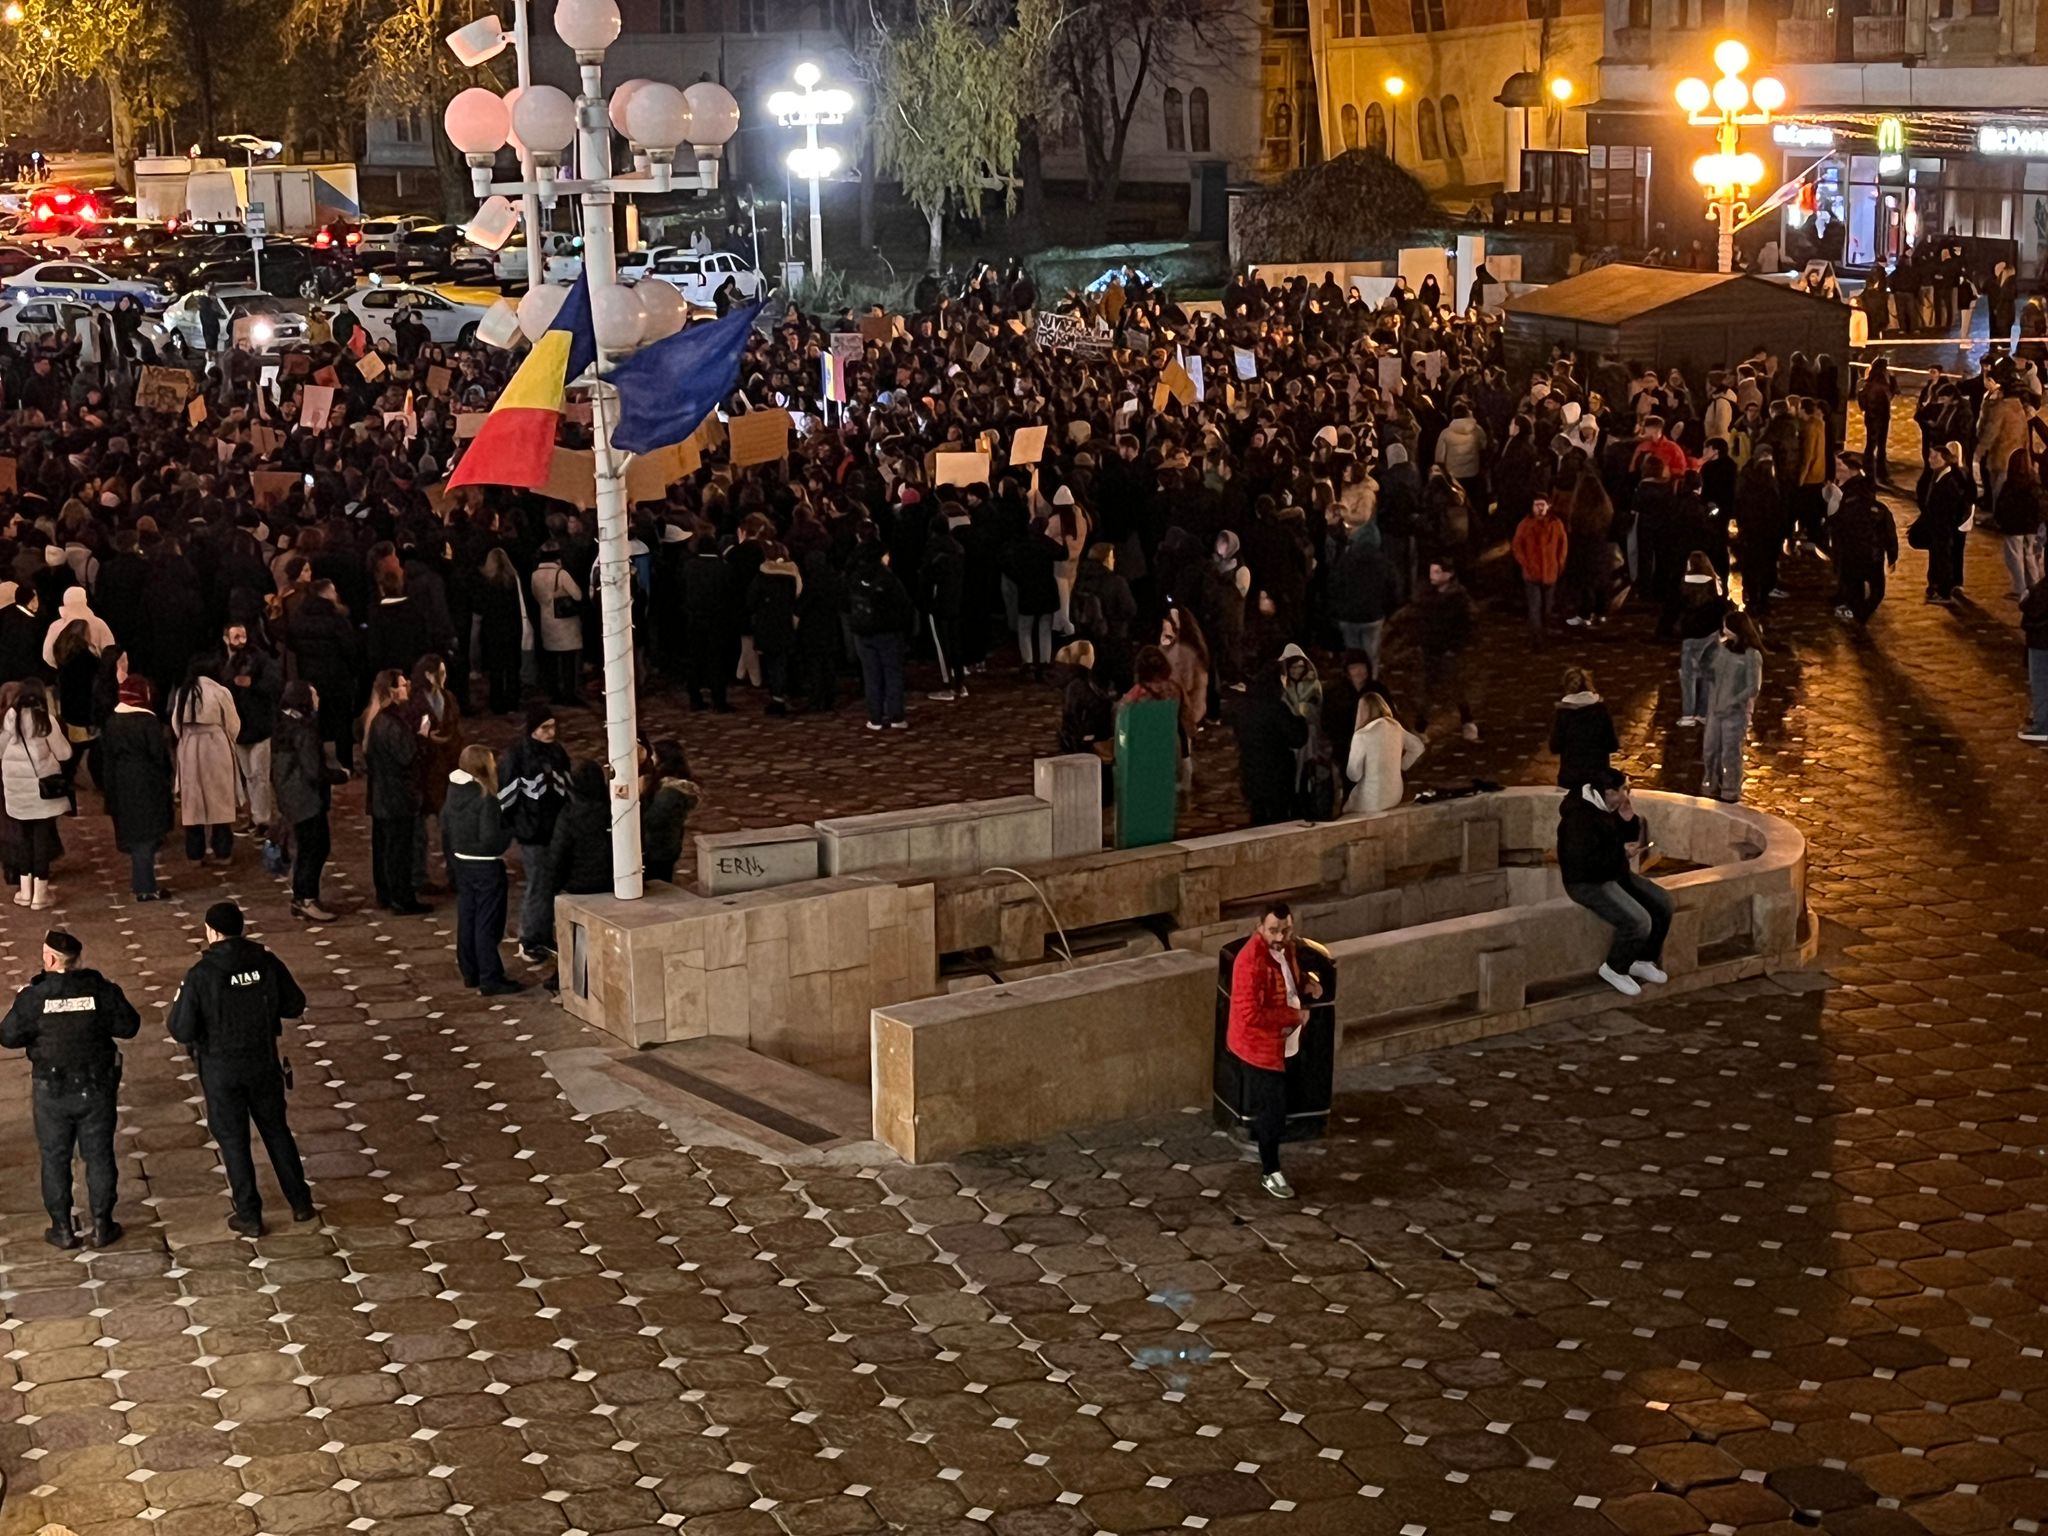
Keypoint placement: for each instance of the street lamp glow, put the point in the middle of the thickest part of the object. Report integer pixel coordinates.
(1694, 96)
(1768, 94)
(1561, 88)
(809, 164)
(1395, 86)
(13, 13)
(1730, 57)
(1730, 93)
(808, 75)
(806, 108)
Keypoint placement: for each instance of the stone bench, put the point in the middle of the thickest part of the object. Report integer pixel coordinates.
(730, 862)
(1032, 1059)
(939, 839)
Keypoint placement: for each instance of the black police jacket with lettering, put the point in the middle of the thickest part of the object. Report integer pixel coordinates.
(233, 1001)
(68, 1022)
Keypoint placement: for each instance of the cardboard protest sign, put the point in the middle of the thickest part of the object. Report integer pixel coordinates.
(649, 475)
(1430, 365)
(977, 355)
(572, 477)
(1389, 366)
(878, 327)
(297, 365)
(271, 486)
(328, 377)
(265, 440)
(1193, 364)
(223, 449)
(316, 406)
(10, 475)
(468, 424)
(1027, 446)
(438, 380)
(1069, 333)
(163, 389)
(849, 346)
(759, 437)
(370, 367)
(1161, 393)
(959, 469)
(195, 410)
(1180, 383)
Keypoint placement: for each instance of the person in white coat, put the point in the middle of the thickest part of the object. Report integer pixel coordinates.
(205, 723)
(32, 750)
(77, 606)
(1382, 750)
(559, 602)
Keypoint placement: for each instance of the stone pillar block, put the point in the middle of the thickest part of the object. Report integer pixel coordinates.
(1024, 927)
(1072, 785)
(1503, 980)
(728, 862)
(1365, 867)
(1481, 846)
(1682, 947)
(1197, 903)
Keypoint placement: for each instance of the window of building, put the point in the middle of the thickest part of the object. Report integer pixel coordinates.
(1454, 128)
(1426, 15)
(1347, 18)
(1198, 120)
(1348, 125)
(1176, 125)
(1428, 141)
(1639, 14)
(1290, 15)
(671, 16)
(1538, 9)
(1375, 127)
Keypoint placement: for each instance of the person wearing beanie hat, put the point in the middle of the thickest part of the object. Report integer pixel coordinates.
(136, 776)
(67, 1020)
(229, 1012)
(533, 786)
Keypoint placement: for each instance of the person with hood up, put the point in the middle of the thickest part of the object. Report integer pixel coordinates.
(1315, 778)
(206, 723)
(1219, 600)
(1382, 750)
(1600, 845)
(33, 753)
(878, 612)
(1461, 453)
(76, 608)
(302, 793)
(474, 840)
(322, 645)
(580, 853)
(1735, 672)
(667, 796)
(1541, 545)
(1582, 731)
(533, 786)
(942, 593)
(1270, 735)
(136, 760)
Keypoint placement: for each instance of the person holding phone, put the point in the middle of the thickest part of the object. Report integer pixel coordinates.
(1270, 996)
(1601, 844)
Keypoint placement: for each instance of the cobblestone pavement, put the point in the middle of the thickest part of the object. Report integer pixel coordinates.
(1760, 1260)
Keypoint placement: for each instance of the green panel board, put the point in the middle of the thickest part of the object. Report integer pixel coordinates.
(1147, 772)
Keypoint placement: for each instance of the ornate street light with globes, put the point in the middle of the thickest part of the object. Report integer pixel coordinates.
(542, 122)
(1728, 106)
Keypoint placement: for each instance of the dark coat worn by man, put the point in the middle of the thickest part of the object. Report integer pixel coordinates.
(68, 1020)
(230, 1011)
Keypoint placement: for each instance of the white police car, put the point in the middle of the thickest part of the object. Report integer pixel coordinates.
(26, 320)
(86, 284)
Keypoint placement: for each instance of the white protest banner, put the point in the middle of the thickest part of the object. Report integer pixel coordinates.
(1430, 365)
(1389, 365)
(316, 405)
(1193, 365)
(1247, 363)
(1069, 333)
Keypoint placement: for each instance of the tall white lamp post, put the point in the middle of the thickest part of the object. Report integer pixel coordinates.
(660, 122)
(808, 107)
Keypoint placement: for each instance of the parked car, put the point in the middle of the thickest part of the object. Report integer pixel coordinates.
(19, 258)
(87, 284)
(698, 277)
(23, 320)
(433, 251)
(172, 265)
(449, 321)
(381, 239)
(283, 325)
(561, 257)
(298, 270)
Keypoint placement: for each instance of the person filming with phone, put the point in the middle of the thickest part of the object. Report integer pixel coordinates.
(1270, 998)
(1601, 846)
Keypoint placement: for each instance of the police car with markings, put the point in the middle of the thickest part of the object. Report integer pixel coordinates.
(85, 284)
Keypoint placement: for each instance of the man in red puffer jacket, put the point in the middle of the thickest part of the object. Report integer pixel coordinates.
(1269, 1000)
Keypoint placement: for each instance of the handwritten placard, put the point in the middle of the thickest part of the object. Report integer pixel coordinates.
(959, 469)
(1027, 445)
(195, 410)
(316, 406)
(469, 423)
(438, 380)
(759, 437)
(10, 475)
(163, 389)
(371, 367)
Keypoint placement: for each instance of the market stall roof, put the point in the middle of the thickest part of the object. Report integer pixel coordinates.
(1616, 292)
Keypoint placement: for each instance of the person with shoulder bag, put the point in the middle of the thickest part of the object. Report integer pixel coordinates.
(33, 753)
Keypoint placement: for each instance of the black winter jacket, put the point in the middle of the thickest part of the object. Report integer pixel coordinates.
(137, 763)
(234, 1001)
(580, 853)
(533, 785)
(472, 826)
(1592, 841)
(298, 769)
(68, 1022)
(391, 755)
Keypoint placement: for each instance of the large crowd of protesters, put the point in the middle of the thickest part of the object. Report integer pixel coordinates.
(218, 615)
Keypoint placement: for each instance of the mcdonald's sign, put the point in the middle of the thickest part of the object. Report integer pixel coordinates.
(1891, 147)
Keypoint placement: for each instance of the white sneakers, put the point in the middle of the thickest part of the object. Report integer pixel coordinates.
(1631, 984)
(2030, 734)
(1619, 982)
(1689, 720)
(40, 899)
(1276, 1185)
(1471, 731)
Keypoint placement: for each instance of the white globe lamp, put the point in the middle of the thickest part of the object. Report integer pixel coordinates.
(617, 316)
(715, 115)
(544, 119)
(538, 308)
(667, 311)
(587, 26)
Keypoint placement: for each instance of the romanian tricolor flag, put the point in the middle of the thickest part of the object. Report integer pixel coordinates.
(516, 444)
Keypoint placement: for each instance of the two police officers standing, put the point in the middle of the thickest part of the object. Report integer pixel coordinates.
(230, 1012)
(68, 1019)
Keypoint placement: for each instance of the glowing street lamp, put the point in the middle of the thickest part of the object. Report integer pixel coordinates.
(807, 107)
(1727, 106)
(1396, 87)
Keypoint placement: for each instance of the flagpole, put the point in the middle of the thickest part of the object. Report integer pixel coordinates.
(614, 557)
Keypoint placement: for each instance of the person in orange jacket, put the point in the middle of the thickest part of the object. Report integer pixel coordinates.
(1270, 996)
(1540, 545)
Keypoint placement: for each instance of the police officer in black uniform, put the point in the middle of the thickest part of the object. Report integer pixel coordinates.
(68, 1019)
(230, 1012)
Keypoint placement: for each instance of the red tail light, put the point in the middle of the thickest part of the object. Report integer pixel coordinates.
(323, 240)
(355, 237)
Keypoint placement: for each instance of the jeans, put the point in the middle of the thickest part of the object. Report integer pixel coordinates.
(2037, 687)
(1541, 597)
(1692, 676)
(1039, 625)
(241, 1089)
(537, 903)
(142, 868)
(1266, 1098)
(480, 887)
(1636, 908)
(2023, 560)
(1363, 637)
(1722, 752)
(391, 860)
(881, 673)
(81, 1117)
(310, 843)
(197, 838)
(254, 761)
